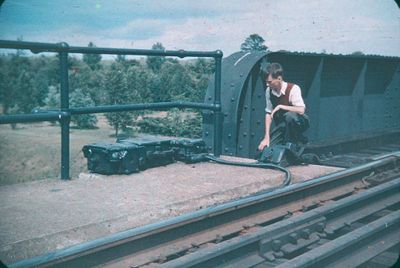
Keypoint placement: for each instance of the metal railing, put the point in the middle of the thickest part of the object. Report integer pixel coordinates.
(65, 112)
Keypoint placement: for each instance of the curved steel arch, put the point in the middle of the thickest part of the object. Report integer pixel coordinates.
(242, 95)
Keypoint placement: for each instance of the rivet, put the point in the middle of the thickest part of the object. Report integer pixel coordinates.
(232, 84)
(253, 134)
(253, 109)
(245, 107)
(206, 133)
(240, 146)
(258, 122)
(244, 134)
(233, 99)
(241, 75)
(226, 149)
(209, 98)
(241, 120)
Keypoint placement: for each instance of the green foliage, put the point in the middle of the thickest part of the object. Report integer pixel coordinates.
(28, 82)
(92, 60)
(254, 42)
(15, 69)
(155, 62)
(24, 92)
(176, 83)
(52, 100)
(81, 76)
(175, 124)
(202, 67)
(81, 99)
(116, 92)
(137, 80)
(357, 53)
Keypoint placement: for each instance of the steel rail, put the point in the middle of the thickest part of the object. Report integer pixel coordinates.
(355, 248)
(264, 244)
(137, 240)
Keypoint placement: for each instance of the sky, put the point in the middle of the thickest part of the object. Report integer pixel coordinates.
(338, 27)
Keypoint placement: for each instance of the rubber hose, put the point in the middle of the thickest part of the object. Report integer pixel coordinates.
(286, 181)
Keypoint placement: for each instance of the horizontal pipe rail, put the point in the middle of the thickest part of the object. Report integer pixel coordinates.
(53, 115)
(30, 118)
(143, 106)
(141, 238)
(36, 47)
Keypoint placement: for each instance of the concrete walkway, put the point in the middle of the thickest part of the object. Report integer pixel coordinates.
(43, 216)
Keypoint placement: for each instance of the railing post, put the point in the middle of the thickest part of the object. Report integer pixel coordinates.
(217, 102)
(64, 120)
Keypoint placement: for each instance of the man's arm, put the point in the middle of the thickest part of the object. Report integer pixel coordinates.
(265, 141)
(295, 109)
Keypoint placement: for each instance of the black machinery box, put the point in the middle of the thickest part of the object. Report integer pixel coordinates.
(189, 150)
(153, 152)
(113, 158)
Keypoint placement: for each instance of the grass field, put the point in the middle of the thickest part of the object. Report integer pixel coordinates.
(32, 151)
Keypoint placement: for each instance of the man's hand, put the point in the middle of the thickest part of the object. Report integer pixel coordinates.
(277, 108)
(263, 143)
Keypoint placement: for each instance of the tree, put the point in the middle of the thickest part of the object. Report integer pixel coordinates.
(154, 85)
(24, 85)
(202, 67)
(16, 73)
(116, 92)
(79, 98)
(81, 76)
(52, 101)
(123, 61)
(155, 62)
(92, 60)
(176, 83)
(253, 43)
(137, 79)
(358, 53)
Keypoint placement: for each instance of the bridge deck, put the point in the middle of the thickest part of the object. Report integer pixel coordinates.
(42, 216)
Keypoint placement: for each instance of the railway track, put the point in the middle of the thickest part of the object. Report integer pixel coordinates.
(347, 233)
(202, 234)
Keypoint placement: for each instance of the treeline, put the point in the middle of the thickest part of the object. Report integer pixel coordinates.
(32, 82)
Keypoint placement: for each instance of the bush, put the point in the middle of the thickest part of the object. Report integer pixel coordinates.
(175, 124)
(78, 98)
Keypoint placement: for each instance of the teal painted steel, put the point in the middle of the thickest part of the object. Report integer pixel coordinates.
(347, 97)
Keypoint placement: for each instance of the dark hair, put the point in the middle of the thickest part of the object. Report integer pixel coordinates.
(274, 69)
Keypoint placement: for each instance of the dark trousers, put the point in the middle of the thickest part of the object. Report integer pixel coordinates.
(293, 125)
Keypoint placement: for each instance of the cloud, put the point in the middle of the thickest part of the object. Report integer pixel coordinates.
(312, 26)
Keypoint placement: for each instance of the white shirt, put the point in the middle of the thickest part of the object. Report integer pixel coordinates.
(295, 98)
